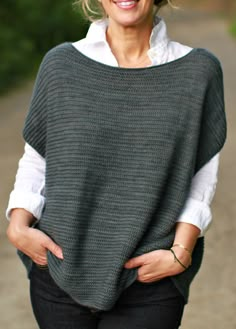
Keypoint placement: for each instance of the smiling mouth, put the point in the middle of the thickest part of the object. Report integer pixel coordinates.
(126, 4)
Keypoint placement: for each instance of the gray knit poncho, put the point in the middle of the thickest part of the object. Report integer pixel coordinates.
(121, 148)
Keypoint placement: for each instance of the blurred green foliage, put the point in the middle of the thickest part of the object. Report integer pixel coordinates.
(233, 28)
(28, 29)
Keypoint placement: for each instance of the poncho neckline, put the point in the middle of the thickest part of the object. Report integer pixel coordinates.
(133, 69)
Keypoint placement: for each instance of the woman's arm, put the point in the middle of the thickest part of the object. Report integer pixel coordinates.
(159, 264)
(30, 241)
(197, 209)
(192, 223)
(25, 207)
(29, 185)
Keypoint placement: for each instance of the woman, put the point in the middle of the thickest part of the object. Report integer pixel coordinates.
(125, 127)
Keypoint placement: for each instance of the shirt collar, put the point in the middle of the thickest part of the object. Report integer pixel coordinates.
(97, 32)
(159, 42)
(159, 39)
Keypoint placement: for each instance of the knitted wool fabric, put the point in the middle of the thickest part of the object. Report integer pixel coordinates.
(121, 148)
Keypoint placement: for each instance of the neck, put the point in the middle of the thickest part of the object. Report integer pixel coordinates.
(130, 44)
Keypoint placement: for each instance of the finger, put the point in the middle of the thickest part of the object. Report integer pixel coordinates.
(148, 278)
(37, 253)
(39, 260)
(146, 272)
(54, 248)
(143, 277)
(135, 262)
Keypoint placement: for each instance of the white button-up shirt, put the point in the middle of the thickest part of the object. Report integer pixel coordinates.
(29, 185)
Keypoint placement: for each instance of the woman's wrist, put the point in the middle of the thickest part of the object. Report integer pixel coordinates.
(20, 219)
(186, 235)
(183, 257)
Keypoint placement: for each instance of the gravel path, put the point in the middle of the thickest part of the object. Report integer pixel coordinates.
(213, 294)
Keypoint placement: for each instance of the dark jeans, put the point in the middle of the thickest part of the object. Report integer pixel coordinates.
(157, 305)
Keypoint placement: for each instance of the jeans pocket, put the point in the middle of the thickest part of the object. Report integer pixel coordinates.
(42, 267)
(36, 268)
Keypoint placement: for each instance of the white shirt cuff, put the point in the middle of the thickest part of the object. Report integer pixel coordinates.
(32, 202)
(197, 213)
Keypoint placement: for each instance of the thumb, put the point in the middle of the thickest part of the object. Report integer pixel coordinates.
(54, 248)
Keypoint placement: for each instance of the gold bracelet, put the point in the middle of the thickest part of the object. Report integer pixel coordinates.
(186, 249)
(176, 259)
(183, 247)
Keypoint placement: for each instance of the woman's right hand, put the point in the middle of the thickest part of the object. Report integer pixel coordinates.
(31, 241)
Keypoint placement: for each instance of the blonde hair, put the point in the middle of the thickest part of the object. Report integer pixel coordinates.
(93, 9)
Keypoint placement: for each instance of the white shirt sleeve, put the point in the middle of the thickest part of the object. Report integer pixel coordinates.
(28, 192)
(197, 209)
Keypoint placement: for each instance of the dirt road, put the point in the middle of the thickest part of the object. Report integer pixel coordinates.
(213, 294)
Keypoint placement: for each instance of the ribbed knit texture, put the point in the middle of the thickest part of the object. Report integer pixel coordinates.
(121, 147)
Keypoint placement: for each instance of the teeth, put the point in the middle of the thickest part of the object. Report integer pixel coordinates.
(126, 3)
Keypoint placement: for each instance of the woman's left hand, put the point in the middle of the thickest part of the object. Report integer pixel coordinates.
(157, 265)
